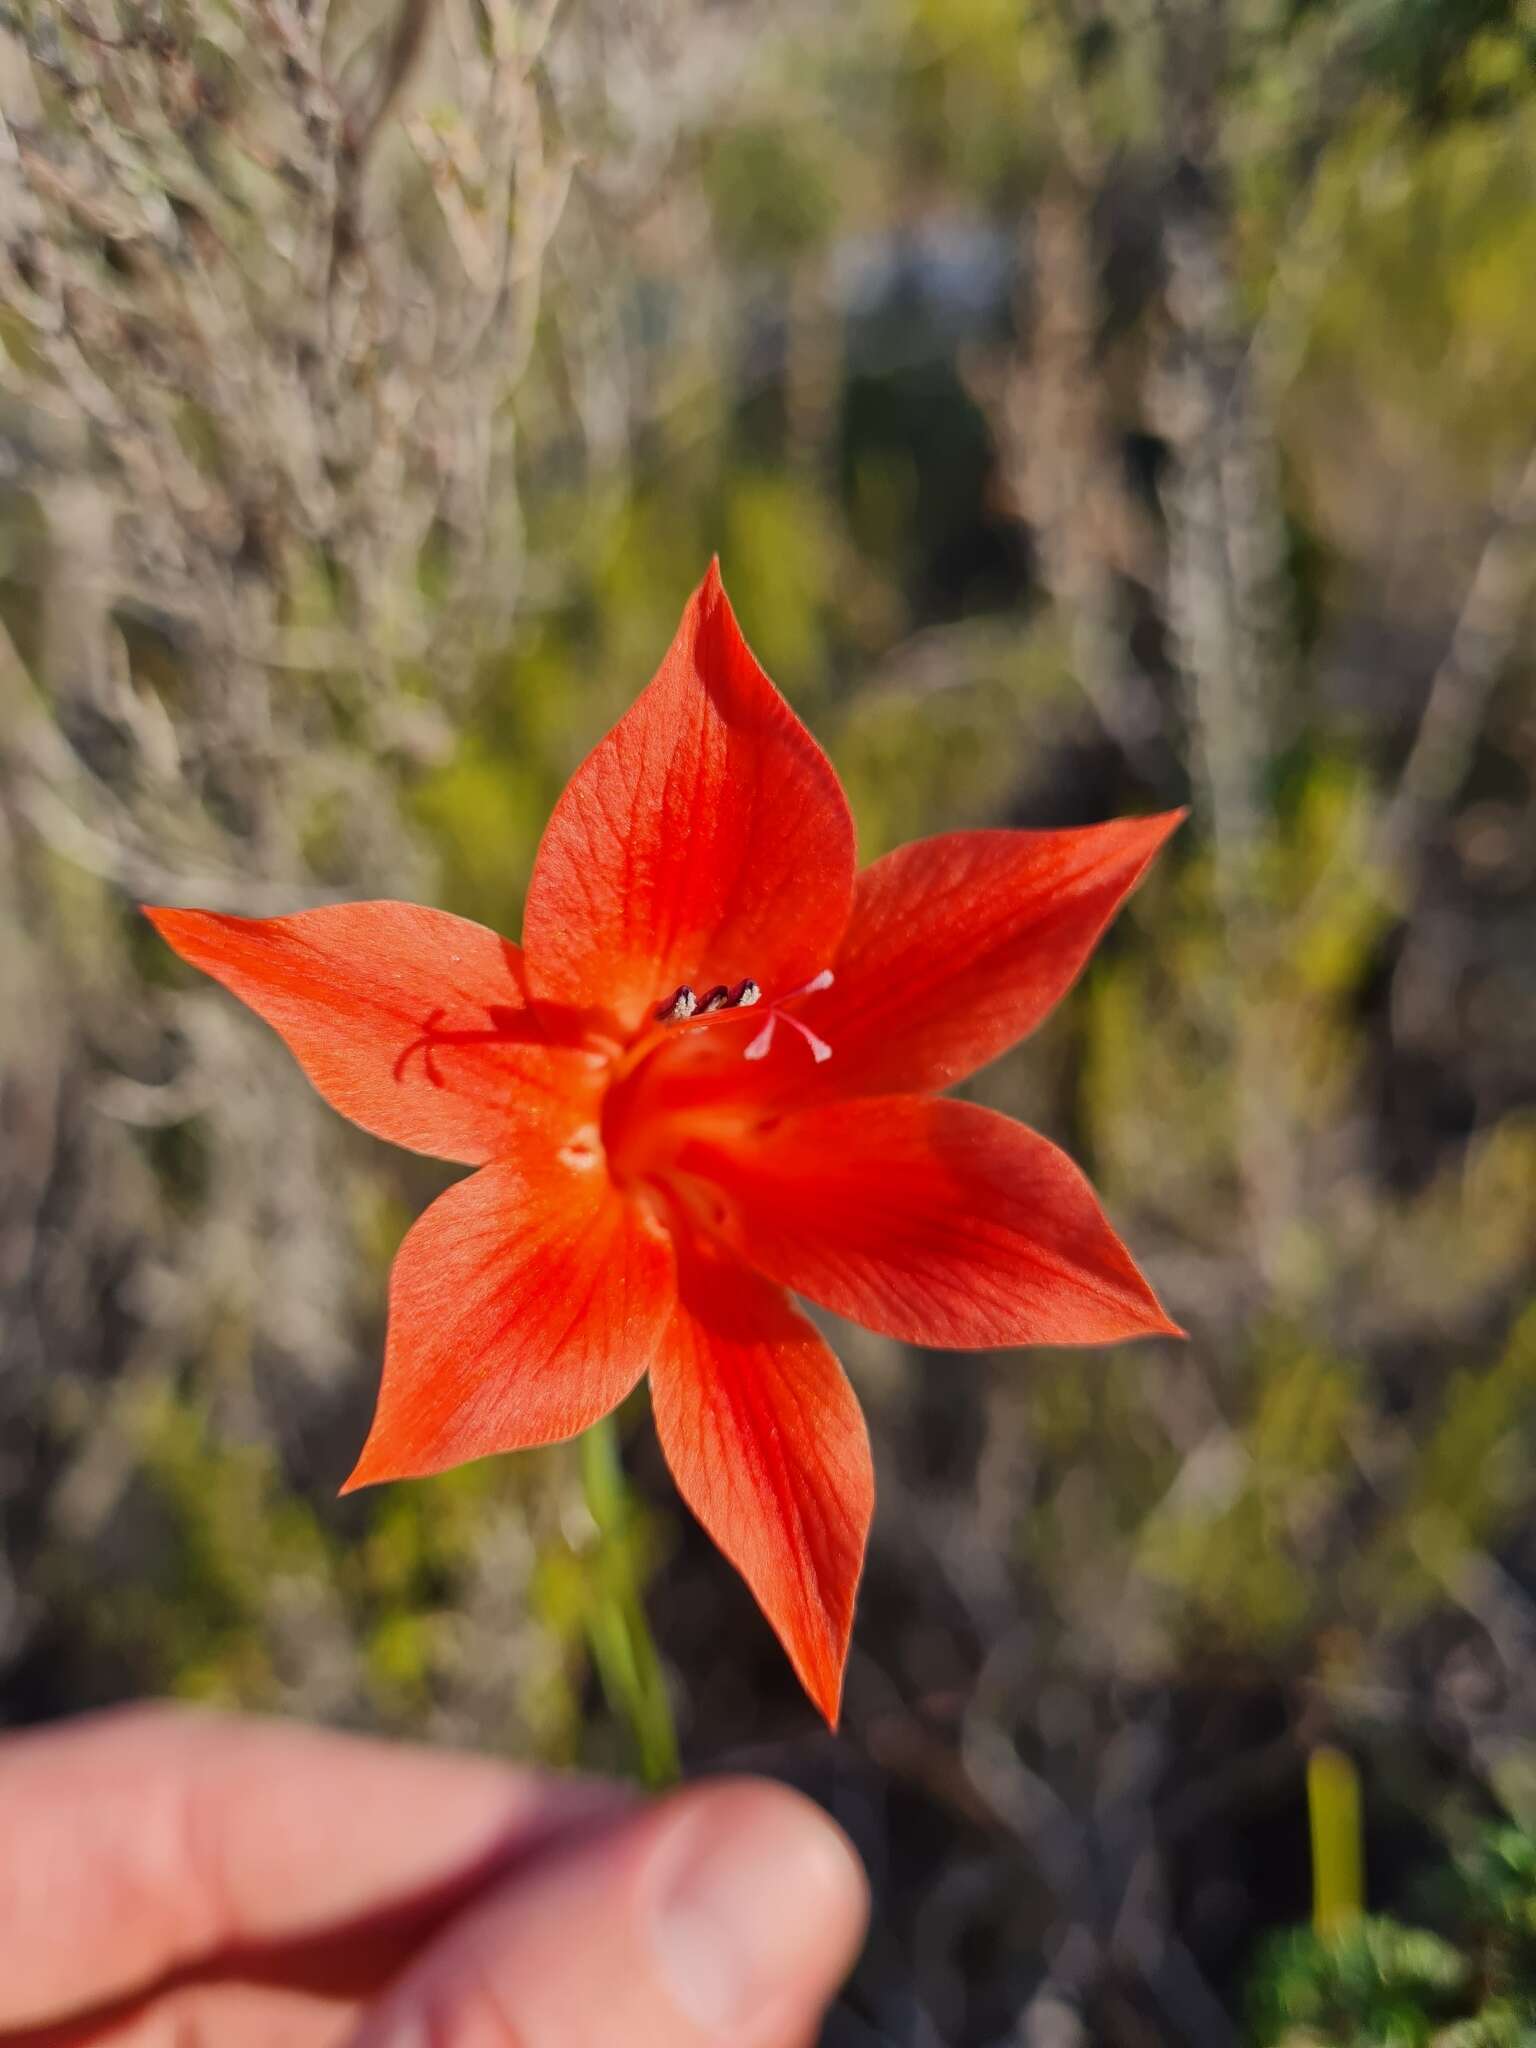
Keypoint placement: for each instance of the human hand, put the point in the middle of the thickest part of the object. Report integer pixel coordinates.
(172, 1879)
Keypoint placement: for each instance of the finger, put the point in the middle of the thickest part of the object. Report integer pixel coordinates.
(137, 1842)
(203, 2016)
(724, 1918)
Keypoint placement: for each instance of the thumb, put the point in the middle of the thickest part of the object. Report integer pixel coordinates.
(725, 1917)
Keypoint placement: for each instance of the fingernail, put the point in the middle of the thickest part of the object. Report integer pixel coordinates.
(758, 1893)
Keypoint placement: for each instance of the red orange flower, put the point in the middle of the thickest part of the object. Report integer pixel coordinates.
(705, 1080)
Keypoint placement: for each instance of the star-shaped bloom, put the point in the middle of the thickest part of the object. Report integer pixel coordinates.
(706, 1081)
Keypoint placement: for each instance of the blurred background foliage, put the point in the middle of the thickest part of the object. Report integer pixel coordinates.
(1464, 1981)
(1096, 406)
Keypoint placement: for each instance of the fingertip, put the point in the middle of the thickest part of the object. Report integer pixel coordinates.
(759, 1904)
(725, 1916)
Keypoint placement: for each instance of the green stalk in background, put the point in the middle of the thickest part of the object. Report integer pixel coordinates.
(1338, 1880)
(618, 1632)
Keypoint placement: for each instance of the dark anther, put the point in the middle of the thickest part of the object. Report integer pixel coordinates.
(681, 1003)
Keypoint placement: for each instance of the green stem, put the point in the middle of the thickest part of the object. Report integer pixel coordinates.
(623, 1649)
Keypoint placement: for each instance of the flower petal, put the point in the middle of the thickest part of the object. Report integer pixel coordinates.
(414, 1024)
(938, 1222)
(523, 1306)
(768, 1447)
(957, 947)
(705, 840)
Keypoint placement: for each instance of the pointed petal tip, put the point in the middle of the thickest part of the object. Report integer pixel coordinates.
(360, 1476)
(1159, 826)
(184, 931)
(709, 593)
(375, 1467)
(1156, 1321)
(821, 1668)
(195, 933)
(1137, 1328)
(378, 1466)
(820, 1673)
(163, 916)
(1145, 1316)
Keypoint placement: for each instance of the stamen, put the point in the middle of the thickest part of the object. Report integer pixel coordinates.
(761, 1045)
(681, 1003)
(820, 1050)
(759, 1048)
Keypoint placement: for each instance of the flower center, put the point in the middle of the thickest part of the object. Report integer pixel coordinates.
(677, 1083)
(652, 1111)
